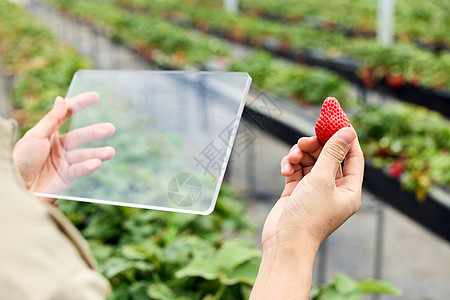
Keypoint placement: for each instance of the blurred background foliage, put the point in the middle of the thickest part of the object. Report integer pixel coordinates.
(164, 255)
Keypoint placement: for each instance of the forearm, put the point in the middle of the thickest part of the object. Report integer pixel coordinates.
(285, 272)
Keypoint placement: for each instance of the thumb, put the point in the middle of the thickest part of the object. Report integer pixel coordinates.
(52, 120)
(334, 152)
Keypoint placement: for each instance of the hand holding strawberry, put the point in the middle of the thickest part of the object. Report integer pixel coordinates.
(319, 196)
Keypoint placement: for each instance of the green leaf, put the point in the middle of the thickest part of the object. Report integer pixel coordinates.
(203, 263)
(235, 252)
(202, 249)
(344, 284)
(182, 220)
(378, 287)
(341, 288)
(207, 269)
(102, 226)
(344, 288)
(175, 252)
(144, 250)
(121, 291)
(185, 249)
(138, 291)
(246, 290)
(332, 293)
(244, 273)
(316, 292)
(143, 266)
(118, 265)
(160, 291)
(101, 251)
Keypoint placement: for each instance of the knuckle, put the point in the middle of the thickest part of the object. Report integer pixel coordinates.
(336, 151)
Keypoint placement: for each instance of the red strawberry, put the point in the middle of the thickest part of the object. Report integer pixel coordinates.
(396, 169)
(367, 77)
(395, 80)
(414, 80)
(383, 152)
(331, 119)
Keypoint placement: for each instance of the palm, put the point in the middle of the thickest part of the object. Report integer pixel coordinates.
(300, 165)
(48, 161)
(304, 187)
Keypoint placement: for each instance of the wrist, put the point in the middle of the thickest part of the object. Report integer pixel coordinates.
(286, 244)
(291, 256)
(286, 269)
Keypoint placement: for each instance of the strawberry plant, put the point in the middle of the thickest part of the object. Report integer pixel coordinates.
(166, 48)
(282, 79)
(411, 142)
(401, 60)
(416, 66)
(405, 65)
(414, 20)
(155, 39)
(292, 81)
(159, 255)
(32, 56)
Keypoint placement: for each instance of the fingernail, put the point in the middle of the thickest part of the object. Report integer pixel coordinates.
(58, 102)
(286, 168)
(347, 136)
(296, 151)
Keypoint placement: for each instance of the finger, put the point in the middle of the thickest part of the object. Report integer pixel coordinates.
(310, 145)
(295, 155)
(81, 101)
(84, 135)
(285, 166)
(296, 175)
(80, 155)
(51, 122)
(84, 168)
(353, 171)
(293, 148)
(290, 164)
(339, 173)
(289, 187)
(334, 152)
(287, 169)
(307, 163)
(292, 180)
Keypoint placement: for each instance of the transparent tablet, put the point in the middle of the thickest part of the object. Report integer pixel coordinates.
(172, 138)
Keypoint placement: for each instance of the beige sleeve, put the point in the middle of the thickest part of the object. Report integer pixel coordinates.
(80, 284)
(42, 256)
